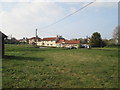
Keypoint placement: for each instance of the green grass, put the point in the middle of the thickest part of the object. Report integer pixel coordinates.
(108, 48)
(28, 67)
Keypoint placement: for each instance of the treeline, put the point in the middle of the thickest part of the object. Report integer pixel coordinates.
(96, 41)
(13, 40)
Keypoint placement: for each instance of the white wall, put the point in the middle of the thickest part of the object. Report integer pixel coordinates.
(47, 43)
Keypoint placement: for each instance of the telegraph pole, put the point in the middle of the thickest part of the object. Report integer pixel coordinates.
(36, 33)
(36, 37)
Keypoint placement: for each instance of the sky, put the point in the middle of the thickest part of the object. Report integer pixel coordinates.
(21, 18)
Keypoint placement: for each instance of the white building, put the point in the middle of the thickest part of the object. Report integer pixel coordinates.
(57, 41)
(49, 42)
(71, 43)
(33, 40)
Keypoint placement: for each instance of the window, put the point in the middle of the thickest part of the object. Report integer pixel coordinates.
(48, 44)
(51, 44)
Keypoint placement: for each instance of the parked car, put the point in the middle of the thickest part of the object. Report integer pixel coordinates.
(84, 46)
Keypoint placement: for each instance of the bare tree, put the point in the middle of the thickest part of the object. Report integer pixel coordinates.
(116, 34)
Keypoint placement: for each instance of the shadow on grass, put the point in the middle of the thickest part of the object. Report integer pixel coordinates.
(11, 57)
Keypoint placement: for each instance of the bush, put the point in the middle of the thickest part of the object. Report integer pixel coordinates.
(113, 45)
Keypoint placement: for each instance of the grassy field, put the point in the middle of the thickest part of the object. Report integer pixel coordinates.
(28, 67)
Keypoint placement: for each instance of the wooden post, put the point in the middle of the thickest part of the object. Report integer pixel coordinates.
(2, 37)
(0, 60)
(1, 45)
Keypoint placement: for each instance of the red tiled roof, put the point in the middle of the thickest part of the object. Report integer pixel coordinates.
(39, 39)
(72, 41)
(49, 39)
(34, 38)
(18, 40)
(60, 41)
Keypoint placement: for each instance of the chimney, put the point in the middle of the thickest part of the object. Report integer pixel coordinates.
(36, 33)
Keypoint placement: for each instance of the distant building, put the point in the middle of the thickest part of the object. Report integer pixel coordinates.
(68, 43)
(24, 40)
(87, 44)
(2, 37)
(47, 42)
(58, 41)
(33, 40)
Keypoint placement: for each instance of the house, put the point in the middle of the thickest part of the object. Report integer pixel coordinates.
(2, 37)
(24, 40)
(57, 41)
(33, 40)
(47, 42)
(50, 41)
(60, 42)
(71, 43)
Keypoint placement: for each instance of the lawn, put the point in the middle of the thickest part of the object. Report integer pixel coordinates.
(27, 67)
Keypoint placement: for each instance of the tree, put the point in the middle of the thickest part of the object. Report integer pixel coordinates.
(111, 42)
(11, 41)
(74, 39)
(116, 35)
(96, 40)
(83, 40)
(105, 42)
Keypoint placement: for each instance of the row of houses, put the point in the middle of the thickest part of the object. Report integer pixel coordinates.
(57, 41)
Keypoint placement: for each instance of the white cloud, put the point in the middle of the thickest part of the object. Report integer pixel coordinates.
(25, 17)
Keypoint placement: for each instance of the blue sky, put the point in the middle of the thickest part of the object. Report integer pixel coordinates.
(22, 18)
